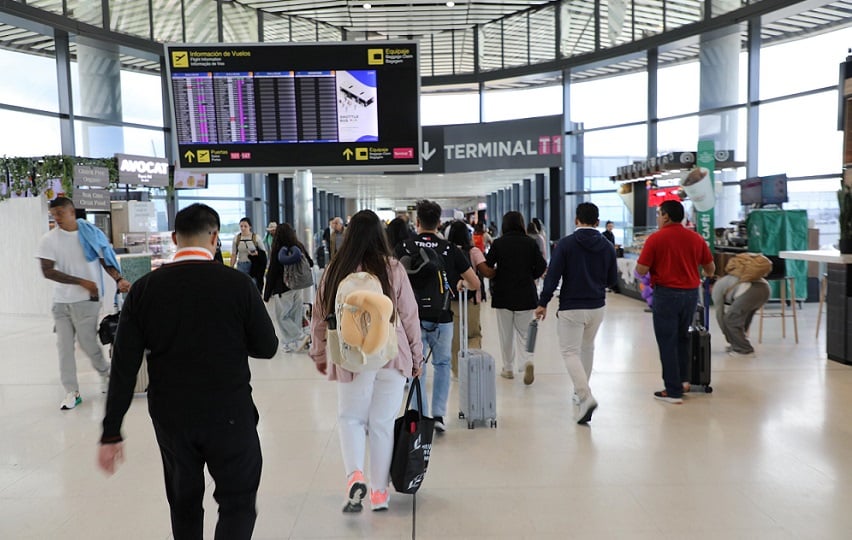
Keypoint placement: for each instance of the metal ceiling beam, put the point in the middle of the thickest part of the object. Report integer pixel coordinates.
(43, 22)
(630, 48)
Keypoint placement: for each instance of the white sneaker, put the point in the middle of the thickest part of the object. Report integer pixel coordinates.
(585, 409)
(736, 354)
(104, 384)
(72, 399)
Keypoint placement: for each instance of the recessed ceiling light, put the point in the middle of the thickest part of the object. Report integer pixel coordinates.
(367, 5)
(450, 4)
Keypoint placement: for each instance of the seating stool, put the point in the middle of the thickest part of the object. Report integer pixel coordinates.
(823, 288)
(786, 282)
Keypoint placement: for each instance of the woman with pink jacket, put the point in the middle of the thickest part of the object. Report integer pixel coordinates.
(369, 400)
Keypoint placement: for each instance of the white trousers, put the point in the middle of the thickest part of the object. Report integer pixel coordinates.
(369, 403)
(577, 329)
(286, 310)
(513, 327)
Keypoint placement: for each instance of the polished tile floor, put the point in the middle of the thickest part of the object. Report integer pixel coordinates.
(767, 455)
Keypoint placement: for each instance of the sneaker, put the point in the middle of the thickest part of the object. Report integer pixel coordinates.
(585, 409)
(302, 343)
(440, 426)
(507, 374)
(734, 354)
(356, 489)
(104, 384)
(529, 373)
(379, 500)
(664, 396)
(72, 399)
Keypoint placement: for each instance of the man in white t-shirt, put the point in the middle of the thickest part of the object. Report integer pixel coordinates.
(76, 296)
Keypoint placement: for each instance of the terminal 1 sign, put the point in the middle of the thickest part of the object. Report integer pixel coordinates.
(513, 144)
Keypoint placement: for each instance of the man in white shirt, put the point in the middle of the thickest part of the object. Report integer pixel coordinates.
(76, 296)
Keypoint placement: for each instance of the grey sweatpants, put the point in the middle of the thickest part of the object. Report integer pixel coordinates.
(734, 319)
(80, 319)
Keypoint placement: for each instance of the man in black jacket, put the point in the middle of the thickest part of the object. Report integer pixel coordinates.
(199, 322)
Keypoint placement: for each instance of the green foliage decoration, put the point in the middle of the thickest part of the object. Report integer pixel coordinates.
(24, 176)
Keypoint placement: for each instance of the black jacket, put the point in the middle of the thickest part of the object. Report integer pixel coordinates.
(275, 276)
(585, 263)
(519, 263)
(200, 321)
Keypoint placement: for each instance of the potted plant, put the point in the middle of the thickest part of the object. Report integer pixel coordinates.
(844, 199)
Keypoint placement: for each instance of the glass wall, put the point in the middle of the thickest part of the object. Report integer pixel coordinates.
(32, 135)
(139, 97)
(443, 109)
(30, 81)
(610, 101)
(513, 104)
(226, 193)
(802, 65)
(799, 136)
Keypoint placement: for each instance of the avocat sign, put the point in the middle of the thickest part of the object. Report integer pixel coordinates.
(142, 170)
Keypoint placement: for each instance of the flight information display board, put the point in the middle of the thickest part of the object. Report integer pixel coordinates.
(263, 107)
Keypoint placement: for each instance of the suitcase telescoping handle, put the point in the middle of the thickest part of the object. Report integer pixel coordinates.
(463, 321)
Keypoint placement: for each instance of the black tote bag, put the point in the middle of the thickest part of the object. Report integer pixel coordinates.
(412, 444)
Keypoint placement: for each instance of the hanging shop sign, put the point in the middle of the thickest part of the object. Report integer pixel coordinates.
(142, 170)
(87, 175)
(96, 200)
(699, 185)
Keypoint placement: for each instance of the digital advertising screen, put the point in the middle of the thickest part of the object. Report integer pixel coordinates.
(774, 189)
(751, 191)
(263, 107)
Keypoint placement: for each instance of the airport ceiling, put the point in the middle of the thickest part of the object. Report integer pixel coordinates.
(422, 18)
(397, 18)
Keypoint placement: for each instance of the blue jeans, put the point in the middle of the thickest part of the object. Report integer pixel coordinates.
(244, 267)
(674, 310)
(438, 337)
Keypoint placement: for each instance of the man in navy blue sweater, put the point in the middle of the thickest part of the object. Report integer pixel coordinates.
(585, 262)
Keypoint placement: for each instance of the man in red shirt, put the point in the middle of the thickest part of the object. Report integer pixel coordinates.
(673, 255)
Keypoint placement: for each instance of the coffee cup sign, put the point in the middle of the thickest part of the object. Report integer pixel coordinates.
(699, 188)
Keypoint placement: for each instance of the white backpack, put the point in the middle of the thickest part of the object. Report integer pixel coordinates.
(363, 336)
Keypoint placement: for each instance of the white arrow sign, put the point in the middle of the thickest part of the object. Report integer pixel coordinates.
(427, 154)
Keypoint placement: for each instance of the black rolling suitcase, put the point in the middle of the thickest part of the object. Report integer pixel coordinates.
(699, 345)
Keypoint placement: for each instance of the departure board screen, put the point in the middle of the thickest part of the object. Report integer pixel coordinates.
(264, 107)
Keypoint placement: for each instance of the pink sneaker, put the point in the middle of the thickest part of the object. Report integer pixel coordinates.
(356, 489)
(379, 499)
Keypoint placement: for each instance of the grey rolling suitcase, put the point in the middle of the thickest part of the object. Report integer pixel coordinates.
(477, 377)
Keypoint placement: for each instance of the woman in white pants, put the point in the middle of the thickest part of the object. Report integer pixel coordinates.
(513, 264)
(369, 400)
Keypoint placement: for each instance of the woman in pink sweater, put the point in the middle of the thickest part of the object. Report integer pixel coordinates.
(368, 400)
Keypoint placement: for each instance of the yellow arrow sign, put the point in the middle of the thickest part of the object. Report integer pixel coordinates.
(189, 156)
(347, 153)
